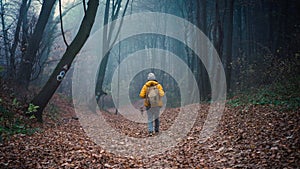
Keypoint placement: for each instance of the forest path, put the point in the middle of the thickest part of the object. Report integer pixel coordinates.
(247, 137)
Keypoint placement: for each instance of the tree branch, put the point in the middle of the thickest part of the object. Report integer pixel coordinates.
(61, 25)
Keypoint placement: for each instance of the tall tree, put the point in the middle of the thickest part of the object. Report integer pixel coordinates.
(43, 97)
(218, 30)
(22, 16)
(107, 39)
(4, 31)
(228, 43)
(27, 62)
(202, 24)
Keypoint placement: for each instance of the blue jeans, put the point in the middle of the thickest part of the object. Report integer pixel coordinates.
(153, 115)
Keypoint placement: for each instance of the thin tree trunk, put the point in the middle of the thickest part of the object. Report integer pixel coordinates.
(52, 84)
(25, 35)
(218, 31)
(107, 40)
(204, 83)
(4, 31)
(105, 44)
(22, 15)
(228, 54)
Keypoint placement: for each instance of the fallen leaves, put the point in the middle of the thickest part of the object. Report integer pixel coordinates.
(252, 137)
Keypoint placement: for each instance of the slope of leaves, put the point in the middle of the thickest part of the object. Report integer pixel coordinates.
(248, 136)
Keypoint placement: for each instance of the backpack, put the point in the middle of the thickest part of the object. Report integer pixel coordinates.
(153, 96)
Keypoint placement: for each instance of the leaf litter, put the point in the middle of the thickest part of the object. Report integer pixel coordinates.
(256, 136)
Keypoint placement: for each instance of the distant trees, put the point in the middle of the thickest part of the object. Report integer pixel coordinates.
(257, 41)
(34, 41)
(14, 34)
(245, 33)
(249, 37)
(262, 32)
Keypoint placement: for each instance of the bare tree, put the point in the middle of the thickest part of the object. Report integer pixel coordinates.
(43, 97)
(22, 17)
(107, 38)
(4, 31)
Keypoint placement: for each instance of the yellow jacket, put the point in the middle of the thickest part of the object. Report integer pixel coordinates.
(144, 91)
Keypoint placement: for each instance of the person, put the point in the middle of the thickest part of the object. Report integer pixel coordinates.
(152, 111)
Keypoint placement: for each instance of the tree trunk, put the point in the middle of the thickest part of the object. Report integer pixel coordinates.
(107, 40)
(5, 37)
(27, 62)
(218, 31)
(25, 35)
(99, 90)
(22, 15)
(202, 23)
(52, 84)
(228, 54)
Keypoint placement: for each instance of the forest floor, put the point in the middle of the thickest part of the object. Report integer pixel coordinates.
(251, 136)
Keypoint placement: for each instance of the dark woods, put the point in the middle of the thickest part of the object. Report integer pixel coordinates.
(257, 41)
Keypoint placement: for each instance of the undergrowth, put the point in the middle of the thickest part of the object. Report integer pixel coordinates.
(13, 122)
(16, 117)
(284, 95)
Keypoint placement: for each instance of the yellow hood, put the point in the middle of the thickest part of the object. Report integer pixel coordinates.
(151, 83)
